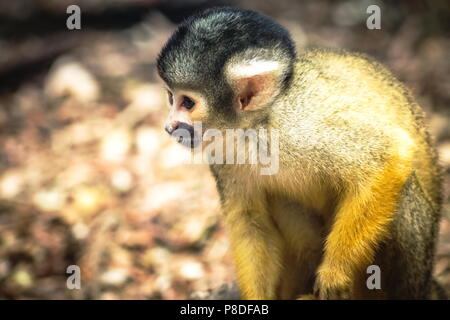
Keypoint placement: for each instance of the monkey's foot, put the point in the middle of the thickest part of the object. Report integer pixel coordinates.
(331, 285)
(307, 297)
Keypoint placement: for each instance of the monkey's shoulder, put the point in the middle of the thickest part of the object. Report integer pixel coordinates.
(342, 80)
(342, 64)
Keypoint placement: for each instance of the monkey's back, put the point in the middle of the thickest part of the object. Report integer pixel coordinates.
(352, 120)
(354, 112)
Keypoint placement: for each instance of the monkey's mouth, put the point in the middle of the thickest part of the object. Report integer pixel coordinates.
(186, 136)
(190, 142)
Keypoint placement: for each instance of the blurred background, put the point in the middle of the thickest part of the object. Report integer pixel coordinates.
(89, 178)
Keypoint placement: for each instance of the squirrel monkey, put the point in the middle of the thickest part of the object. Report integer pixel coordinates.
(352, 146)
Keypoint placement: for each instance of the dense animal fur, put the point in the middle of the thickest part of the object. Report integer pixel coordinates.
(353, 147)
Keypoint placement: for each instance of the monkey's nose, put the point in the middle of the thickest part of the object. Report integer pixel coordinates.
(171, 127)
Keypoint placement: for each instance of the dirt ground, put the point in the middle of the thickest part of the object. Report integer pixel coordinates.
(88, 176)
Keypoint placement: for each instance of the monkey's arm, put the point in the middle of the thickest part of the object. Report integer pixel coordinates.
(257, 248)
(361, 222)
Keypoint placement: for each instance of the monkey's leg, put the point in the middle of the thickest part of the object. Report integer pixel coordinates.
(302, 231)
(257, 248)
(298, 273)
(361, 222)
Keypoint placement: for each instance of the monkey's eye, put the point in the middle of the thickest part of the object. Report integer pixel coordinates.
(187, 103)
(170, 96)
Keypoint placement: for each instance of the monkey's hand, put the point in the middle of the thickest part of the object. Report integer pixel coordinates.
(360, 224)
(332, 285)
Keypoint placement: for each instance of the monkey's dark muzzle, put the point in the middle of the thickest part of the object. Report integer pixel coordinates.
(184, 134)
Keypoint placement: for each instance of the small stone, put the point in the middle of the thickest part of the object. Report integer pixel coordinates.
(114, 277)
(69, 77)
(115, 146)
(122, 180)
(148, 141)
(11, 184)
(191, 270)
(50, 199)
(22, 278)
(80, 231)
(444, 154)
(88, 199)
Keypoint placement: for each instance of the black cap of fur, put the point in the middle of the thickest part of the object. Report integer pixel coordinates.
(195, 56)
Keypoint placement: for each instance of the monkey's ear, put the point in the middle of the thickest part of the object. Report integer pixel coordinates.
(255, 82)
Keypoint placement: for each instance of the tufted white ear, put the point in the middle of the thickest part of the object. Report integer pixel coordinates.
(256, 82)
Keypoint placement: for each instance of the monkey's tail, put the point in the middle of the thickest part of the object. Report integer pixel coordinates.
(437, 291)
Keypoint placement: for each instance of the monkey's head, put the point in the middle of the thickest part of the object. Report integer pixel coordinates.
(224, 67)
